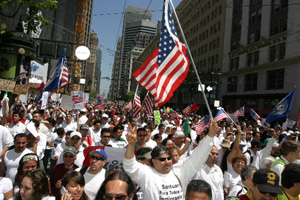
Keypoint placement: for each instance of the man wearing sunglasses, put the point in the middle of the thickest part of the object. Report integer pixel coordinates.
(161, 181)
(141, 138)
(266, 186)
(94, 175)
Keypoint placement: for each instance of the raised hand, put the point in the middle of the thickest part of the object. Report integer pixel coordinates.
(131, 135)
(213, 128)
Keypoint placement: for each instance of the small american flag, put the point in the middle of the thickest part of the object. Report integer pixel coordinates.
(202, 125)
(187, 110)
(100, 106)
(128, 106)
(136, 110)
(221, 115)
(254, 115)
(176, 115)
(239, 113)
(148, 103)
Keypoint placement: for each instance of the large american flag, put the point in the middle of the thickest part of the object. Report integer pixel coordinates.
(202, 125)
(148, 103)
(239, 113)
(221, 115)
(254, 115)
(136, 109)
(167, 67)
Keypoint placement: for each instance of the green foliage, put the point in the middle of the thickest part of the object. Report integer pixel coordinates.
(93, 94)
(35, 7)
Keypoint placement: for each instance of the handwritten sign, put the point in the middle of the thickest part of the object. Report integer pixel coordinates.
(7, 85)
(21, 89)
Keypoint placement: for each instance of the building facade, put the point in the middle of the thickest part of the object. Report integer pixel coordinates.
(261, 45)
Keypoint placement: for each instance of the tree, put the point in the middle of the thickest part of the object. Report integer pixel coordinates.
(33, 17)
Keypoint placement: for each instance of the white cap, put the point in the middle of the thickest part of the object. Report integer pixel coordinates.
(83, 110)
(178, 133)
(105, 115)
(75, 133)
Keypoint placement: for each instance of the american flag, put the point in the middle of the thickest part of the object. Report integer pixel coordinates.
(136, 110)
(187, 110)
(148, 103)
(239, 113)
(254, 115)
(167, 67)
(175, 115)
(221, 115)
(128, 106)
(202, 125)
(100, 106)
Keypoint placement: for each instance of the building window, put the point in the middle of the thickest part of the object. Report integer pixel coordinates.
(232, 84)
(277, 52)
(251, 82)
(275, 79)
(252, 59)
(234, 63)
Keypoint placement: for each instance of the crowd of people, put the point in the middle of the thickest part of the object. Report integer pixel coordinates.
(55, 153)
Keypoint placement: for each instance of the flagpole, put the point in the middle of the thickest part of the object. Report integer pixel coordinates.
(193, 63)
(229, 117)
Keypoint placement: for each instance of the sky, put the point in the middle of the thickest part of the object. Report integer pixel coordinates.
(107, 23)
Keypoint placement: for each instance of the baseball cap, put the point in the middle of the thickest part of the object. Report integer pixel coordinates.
(105, 115)
(267, 181)
(75, 133)
(83, 110)
(100, 151)
(84, 127)
(257, 143)
(178, 133)
(71, 150)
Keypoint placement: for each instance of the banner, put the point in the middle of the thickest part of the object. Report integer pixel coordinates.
(156, 117)
(66, 102)
(21, 89)
(7, 85)
(45, 100)
(38, 71)
(77, 99)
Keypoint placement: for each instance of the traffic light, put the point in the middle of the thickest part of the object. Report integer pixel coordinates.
(90, 82)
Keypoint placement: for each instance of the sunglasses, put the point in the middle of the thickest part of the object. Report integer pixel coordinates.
(110, 197)
(272, 194)
(142, 135)
(106, 136)
(163, 159)
(68, 156)
(97, 158)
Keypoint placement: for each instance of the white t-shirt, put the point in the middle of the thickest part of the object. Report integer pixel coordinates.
(12, 160)
(214, 177)
(96, 135)
(14, 129)
(5, 186)
(93, 182)
(69, 127)
(6, 139)
(231, 178)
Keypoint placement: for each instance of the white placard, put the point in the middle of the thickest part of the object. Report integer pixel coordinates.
(216, 103)
(199, 88)
(66, 102)
(86, 97)
(45, 100)
(78, 100)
